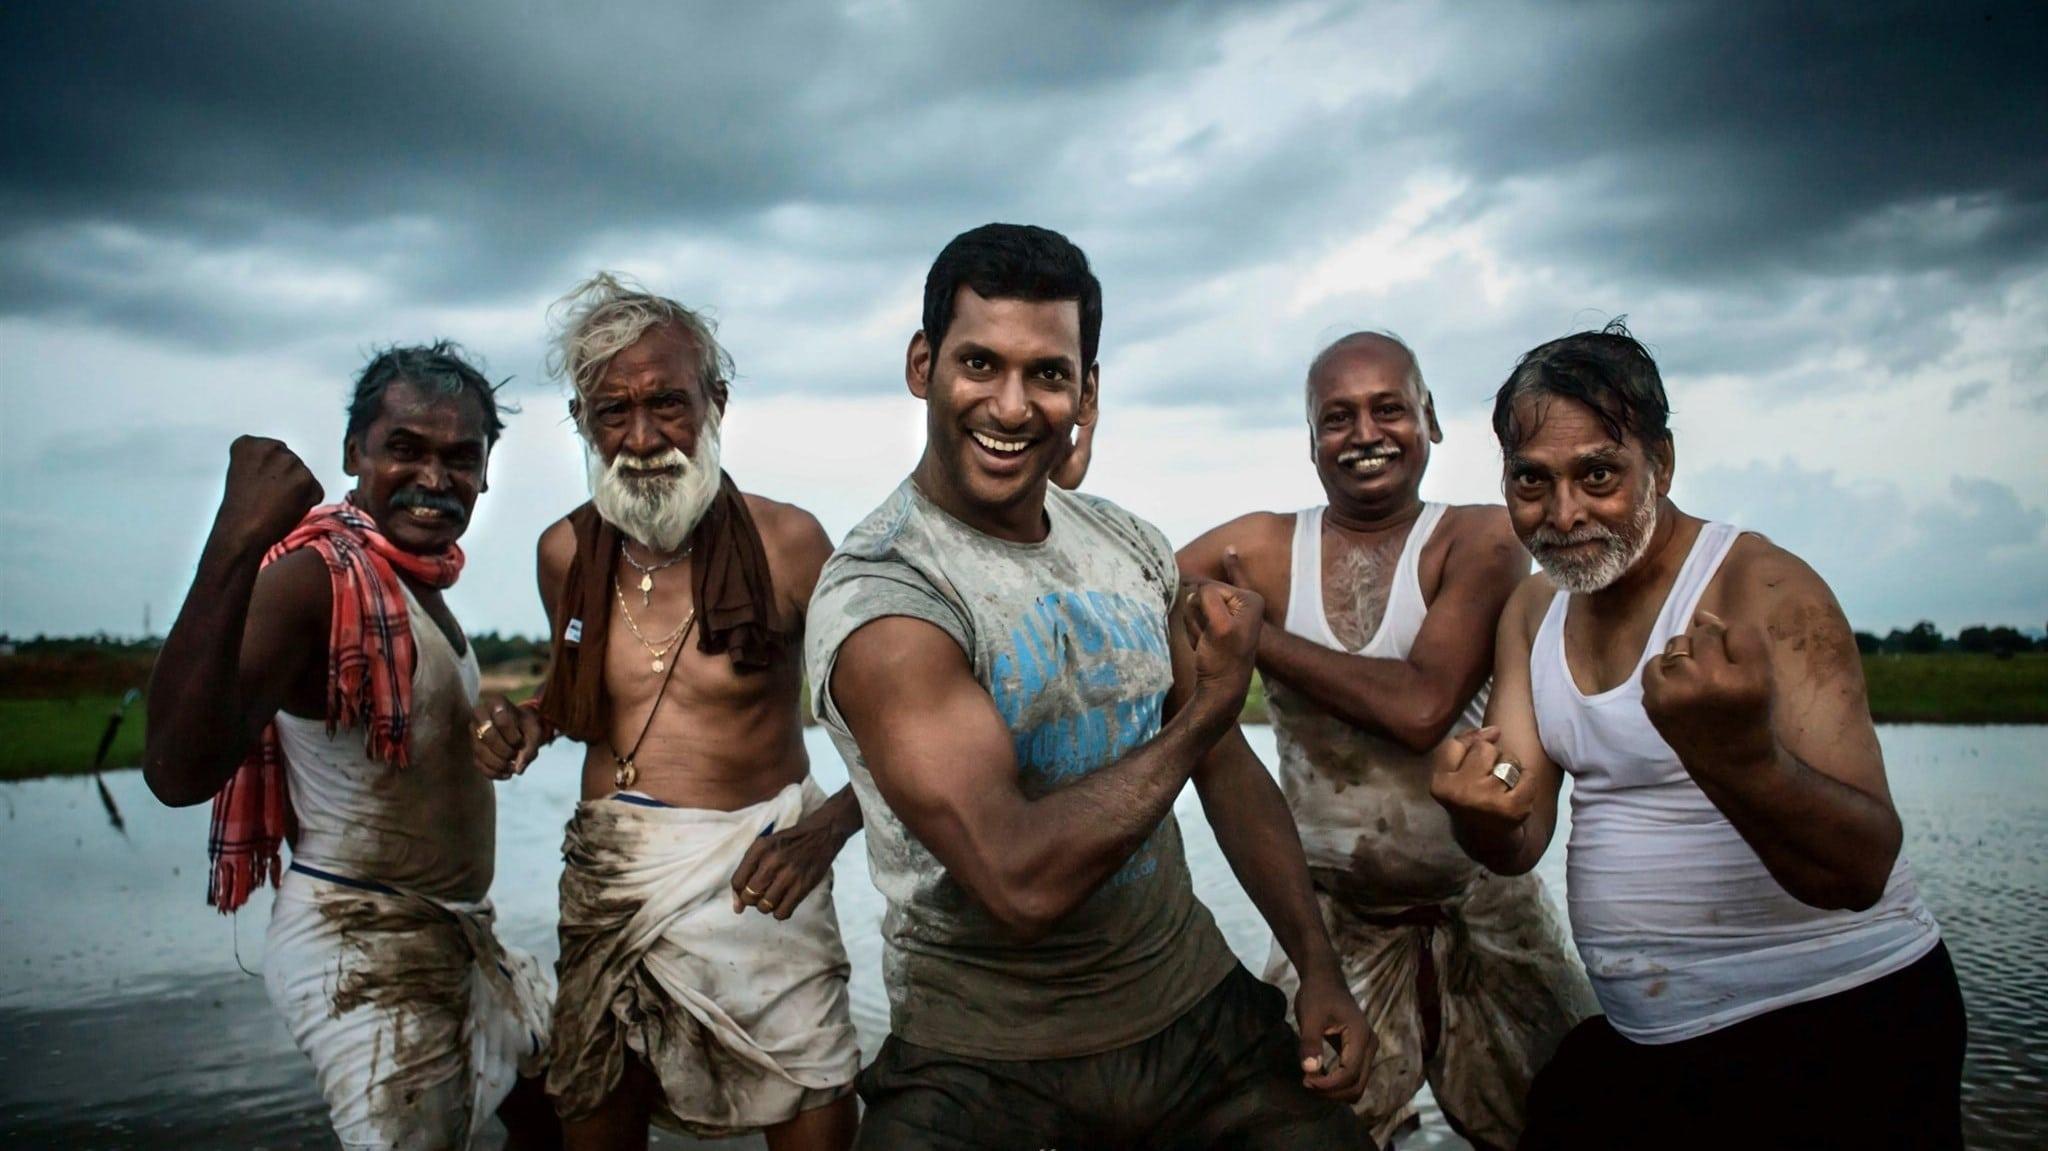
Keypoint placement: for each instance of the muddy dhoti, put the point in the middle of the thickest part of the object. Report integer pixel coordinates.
(742, 1018)
(417, 1019)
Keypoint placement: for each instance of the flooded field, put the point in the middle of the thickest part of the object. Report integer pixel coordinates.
(127, 1018)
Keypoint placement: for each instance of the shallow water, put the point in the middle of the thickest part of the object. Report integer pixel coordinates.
(125, 1020)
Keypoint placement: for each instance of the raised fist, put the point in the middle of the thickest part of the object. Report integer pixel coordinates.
(1478, 800)
(269, 490)
(507, 736)
(1709, 695)
(1223, 625)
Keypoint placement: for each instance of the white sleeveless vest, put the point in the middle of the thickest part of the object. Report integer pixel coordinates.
(1361, 802)
(1682, 929)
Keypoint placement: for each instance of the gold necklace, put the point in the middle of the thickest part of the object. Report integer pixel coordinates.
(659, 650)
(647, 570)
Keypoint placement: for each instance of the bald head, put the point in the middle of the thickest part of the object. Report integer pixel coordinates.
(1363, 350)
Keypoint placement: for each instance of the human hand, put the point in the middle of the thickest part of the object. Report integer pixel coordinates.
(1709, 695)
(269, 490)
(1465, 784)
(780, 868)
(508, 736)
(1325, 1012)
(1223, 623)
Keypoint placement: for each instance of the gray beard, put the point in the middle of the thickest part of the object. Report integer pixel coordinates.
(1620, 551)
(657, 513)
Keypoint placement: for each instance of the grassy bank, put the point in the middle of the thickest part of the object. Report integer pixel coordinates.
(56, 736)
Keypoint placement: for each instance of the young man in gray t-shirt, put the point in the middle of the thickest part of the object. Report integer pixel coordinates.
(1021, 686)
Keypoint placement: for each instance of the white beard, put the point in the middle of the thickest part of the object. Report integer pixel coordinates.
(1620, 551)
(657, 512)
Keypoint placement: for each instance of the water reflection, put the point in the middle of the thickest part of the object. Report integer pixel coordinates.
(125, 1020)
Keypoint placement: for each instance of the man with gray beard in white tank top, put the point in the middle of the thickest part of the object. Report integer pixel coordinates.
(1382, 610)
(1768, 973)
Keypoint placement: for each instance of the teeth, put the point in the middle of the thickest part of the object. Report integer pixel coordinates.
(996, 445)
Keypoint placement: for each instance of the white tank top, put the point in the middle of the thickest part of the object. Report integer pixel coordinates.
(429, 826)
(1361, 802)
(1682, 929)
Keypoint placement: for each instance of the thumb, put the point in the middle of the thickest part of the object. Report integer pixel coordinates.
(1233, 567)
(1311, 1048)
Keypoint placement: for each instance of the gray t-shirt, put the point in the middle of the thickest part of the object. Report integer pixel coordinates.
(1069, 636)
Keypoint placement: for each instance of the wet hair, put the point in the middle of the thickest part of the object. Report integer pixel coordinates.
(608, 313)
(1353, 339)
(1013, 262)
(1609, 371)
(439, 368)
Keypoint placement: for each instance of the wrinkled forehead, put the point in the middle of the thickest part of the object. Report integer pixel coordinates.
(663, 357)
(1559, 429)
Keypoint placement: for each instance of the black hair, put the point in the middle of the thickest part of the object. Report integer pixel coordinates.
(437, 367)
(1013, 262)
(1609, 371)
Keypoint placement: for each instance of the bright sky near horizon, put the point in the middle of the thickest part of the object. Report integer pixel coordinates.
(1832, 229)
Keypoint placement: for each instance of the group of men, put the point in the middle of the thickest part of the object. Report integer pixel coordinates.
(1022, 679)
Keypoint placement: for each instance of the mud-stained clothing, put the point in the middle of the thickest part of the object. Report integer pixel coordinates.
(1069, 637)
(743, 1018)
(1226, 1073)
(381, 955)
(1466, 978)
(1471, 995)
(417, 1020)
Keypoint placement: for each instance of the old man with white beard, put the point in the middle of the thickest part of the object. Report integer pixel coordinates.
(703, 979)
(1768, 974)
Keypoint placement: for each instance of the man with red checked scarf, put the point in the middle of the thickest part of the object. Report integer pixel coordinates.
(317, 689)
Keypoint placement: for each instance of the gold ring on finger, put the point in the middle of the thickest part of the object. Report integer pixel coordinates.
(751, 893)
(766, 905)
(483, 729)
(1673, 651)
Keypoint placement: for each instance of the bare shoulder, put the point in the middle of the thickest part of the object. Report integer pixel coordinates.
(294, 591)
(796, 544)
(1261, 538)
(1531, 599)
(1769, 587)
(1484, 532)
(554, 553)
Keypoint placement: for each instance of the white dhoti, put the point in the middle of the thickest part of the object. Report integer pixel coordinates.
(1472, 994)
(417, 1020)
(743, 1018)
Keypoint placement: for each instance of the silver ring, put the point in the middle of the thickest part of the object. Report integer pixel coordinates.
(1508, 772)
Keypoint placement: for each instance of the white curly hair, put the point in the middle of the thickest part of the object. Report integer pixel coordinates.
(604, 315)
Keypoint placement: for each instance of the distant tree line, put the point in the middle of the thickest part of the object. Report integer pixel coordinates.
(1924, 637)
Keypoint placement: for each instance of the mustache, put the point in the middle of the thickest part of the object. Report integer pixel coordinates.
(628, 466)
(1546, 537)
(449, 506)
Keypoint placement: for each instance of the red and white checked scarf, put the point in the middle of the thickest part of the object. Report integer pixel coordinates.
(370, 660)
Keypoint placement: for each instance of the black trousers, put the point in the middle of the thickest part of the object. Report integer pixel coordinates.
(1225, 1076)
(1875, 1066)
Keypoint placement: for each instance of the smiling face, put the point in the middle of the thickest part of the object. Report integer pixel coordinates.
(1371, 426)
(1002, 398)
(419, 466)
(1583, 503)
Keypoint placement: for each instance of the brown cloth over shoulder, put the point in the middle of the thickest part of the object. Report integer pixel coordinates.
(734, 595)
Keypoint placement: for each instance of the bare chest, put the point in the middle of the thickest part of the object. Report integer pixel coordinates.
(1357, 579)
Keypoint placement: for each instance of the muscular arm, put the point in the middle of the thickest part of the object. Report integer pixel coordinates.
(942, 758)
(1416, 700)
(242, 642)
(1507, 833)
(1803, 779)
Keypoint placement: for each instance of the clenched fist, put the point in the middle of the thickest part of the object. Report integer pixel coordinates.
(269, 490)
(507, 736)
(1223, 625)
(1709, 695)
(1479, 801)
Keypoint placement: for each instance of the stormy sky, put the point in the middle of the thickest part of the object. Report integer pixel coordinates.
(1830, 227)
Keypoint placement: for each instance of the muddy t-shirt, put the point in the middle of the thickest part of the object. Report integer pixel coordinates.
(1069, 636)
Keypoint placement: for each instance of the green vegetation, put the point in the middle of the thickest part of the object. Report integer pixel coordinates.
(55, 695)
(1958, 687)
(58, 736)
